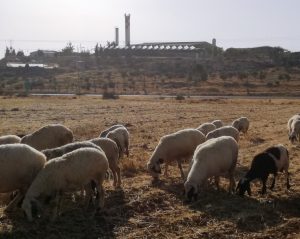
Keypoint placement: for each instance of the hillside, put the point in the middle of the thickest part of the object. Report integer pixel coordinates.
(249, 71)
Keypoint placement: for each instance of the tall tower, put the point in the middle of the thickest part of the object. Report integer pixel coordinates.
(127, 29)
(117, 36)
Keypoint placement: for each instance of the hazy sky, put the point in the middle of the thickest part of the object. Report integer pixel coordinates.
(49, 24)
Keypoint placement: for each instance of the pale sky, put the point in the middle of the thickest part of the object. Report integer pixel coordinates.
(49, 24)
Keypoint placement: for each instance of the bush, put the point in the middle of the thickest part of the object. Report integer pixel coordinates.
(109, 95)
(180, 97)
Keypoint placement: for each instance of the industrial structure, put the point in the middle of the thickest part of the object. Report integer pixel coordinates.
(117, 36)
(168, 49)
(127, 30)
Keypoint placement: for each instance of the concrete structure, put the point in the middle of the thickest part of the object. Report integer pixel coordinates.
(127, 30)
(43, 53)
(117, 36)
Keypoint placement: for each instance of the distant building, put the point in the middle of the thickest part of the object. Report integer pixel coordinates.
(43, 53)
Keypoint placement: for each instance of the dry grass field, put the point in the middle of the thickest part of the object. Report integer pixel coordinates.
(141, 210)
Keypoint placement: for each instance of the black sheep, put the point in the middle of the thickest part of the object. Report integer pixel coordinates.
(270, 161)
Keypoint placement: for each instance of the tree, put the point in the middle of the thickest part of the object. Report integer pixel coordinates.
(10, 52)
(96, 50)
(69, 49)
(7, 53)
(20, 54)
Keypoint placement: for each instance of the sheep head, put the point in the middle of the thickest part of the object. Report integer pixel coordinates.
(243, 186)
(154, 167)
(191, 191)
(31, 208)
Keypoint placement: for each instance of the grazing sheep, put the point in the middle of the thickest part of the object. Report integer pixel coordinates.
(121, 136)
(81, 167)
(270, 161)
(111, 151)
(19, 164)
(105, 132)
(49, 136)
(294, 128)
(213, 158)
(67, 148)
(241, 124)
(294, 117)
(9, 139)
(224, 131)
(205, 128)
(174, 147)
(217, 123)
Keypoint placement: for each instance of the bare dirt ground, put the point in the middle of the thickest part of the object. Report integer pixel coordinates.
(141, 210)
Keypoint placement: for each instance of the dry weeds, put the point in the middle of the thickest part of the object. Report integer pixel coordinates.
(141, 210)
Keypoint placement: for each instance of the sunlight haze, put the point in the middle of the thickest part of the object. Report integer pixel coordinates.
(49, 24)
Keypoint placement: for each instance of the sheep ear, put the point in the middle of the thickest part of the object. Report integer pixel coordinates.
(160, 161)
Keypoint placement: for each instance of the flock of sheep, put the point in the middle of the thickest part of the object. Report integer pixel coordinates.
(39, 167)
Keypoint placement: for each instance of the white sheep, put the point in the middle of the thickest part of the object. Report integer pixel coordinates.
(111, 151)
(214, 158)
(19, 164)
(205, 128)
(10, 139)
(295, 131)
(174, 148)
(105, 132)
(293, 127)
(67, 148)
(49, 136)
(224, 131)
(241, 124)
(217, 123)
(294, 117)
(72, 171)
(121, 136)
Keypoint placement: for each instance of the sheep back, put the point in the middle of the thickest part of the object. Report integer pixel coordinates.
(109, 147)
(59, 151)
(105, 132)
(180, 144)
(217, 123)
(50, 136)
(69, 172)
(9, 139)
(205, 128)
(213, 158)
(121, 136)
(241, 124)
(224, 131)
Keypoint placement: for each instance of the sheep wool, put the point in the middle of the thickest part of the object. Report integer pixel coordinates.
(213, 158)
(49, 136)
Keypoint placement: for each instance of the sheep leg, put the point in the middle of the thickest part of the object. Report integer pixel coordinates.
(288, 186)
(14, 202)
(115, 177)
(119, 176)
(264, 188)
(100, 196)
(273, 182)
(89, 195)
(127, 146)
(57, 202)
(181, 170)
(231, 183)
